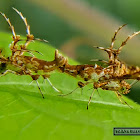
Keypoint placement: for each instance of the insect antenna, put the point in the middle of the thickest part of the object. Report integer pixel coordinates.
(119, 96)
(90, 98)
(30, 37)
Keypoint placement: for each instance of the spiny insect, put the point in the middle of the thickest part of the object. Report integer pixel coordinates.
(111, 77)
(94, 74)
(20, 64)
(118, 69)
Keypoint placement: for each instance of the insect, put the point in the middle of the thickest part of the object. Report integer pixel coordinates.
(94, 74)
(20, 64)
(119, 71)
(111, 77)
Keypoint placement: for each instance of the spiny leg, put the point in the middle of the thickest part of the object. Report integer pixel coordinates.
(25, 21)
(16, 38)
(30, 37)
(113, 40)
(128, 38)
(119, 96)
(115, 34)
(102, 48)
(90, 99)
(109, 51)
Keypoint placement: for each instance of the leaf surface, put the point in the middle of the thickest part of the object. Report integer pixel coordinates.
(24, 115)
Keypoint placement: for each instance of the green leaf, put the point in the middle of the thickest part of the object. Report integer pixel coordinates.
(24, 115)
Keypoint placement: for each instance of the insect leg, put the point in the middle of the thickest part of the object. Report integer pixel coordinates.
(35, 77)
(39, 89)
(98, 92)
(8, 71)
(101, 48)
(30, 37)
(90, 98)
(69, 92)
(52, 85)
(119, 96)
(46, 77)
(81, 91)
(108, 50)
(80, 85)
(24, 19)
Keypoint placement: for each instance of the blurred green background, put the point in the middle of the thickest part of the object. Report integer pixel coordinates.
(74, 26)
